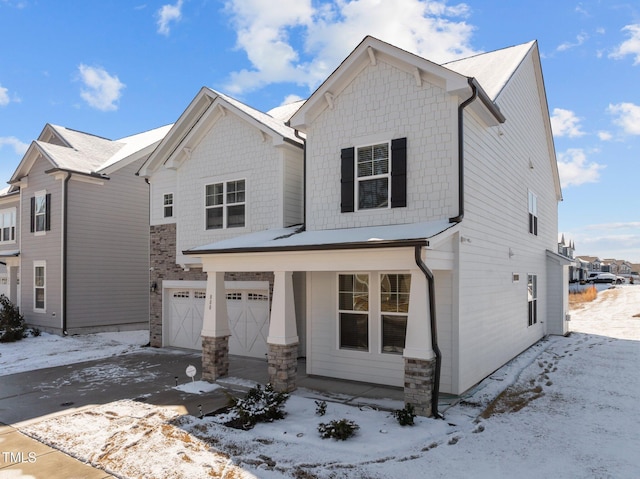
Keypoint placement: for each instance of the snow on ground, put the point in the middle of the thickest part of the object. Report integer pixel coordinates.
(49, 350)
(565, 408)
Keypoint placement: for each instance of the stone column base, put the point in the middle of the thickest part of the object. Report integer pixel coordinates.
(418, 384)
(215, 357)
(283, 366)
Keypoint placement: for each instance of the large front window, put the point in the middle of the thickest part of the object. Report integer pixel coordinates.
(373, 176)
(8, 225)
(394, 309)
(353, 310)
(225, 205)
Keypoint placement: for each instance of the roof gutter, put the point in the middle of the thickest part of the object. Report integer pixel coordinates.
(65, 196)
(435, 390)
(461, 107)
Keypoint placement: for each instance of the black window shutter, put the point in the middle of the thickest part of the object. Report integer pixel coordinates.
(399, 173)
(33, 213)
(47, 220)
(347, 191)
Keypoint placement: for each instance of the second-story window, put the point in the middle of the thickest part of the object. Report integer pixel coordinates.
(168, 205)
(373, 176)
(41, 212)
(533, 214)
(225, 205)
(7, 225)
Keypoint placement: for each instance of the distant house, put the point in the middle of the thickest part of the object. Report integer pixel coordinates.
(593, 263)
(428, 250)
(76, 237)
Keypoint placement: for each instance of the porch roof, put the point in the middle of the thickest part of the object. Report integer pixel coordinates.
(294, 238)
(6, 254)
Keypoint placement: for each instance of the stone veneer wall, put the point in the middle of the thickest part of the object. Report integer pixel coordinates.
(215, 357)
(283, 366)
(418, 384)
(163, 266)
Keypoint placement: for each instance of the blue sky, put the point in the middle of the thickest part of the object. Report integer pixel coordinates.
(115, 68)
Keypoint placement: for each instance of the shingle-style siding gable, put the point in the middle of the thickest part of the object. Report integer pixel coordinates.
(384, 103)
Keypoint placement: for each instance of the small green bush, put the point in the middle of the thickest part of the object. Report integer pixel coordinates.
(405, 416)
(12, 325)
(259, 405)
(341, 429)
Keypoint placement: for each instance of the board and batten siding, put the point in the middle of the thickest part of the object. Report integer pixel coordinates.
(41, 247)
(232, 149)
(501, 166)
(108, 253)
(380, 104)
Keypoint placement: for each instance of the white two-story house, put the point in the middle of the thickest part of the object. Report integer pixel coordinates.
(428, 248)
(223, 171)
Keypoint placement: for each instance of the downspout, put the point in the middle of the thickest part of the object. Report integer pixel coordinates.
(65, 195)
(461, 107)
(435, 390)
(304, 179)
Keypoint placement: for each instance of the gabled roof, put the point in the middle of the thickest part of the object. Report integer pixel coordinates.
(493, 70)
(369, 52)
(207, 106)
(78, 152)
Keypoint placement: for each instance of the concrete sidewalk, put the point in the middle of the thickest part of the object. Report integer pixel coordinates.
(149, 376)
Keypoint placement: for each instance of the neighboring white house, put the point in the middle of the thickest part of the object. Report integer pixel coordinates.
(223, 170)
(9, 240)
(429, 246)
(80, 258)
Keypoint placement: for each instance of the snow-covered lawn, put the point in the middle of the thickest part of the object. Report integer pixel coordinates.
(566, 408)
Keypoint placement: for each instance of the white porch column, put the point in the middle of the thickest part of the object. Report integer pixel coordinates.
(282, 325)
(215, 322)
(418, 340)
(283, 335)
(215, 329)
(419, 358)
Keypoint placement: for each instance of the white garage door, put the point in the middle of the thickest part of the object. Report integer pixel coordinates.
(248, 320)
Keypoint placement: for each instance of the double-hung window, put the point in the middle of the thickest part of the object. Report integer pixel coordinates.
(39, 286)
(225, 205)
(41, 212)
(353, 311)
(8, 225)
(374, 176)
(167, 203)
(394, 310)
(533, 214)
(532, 290)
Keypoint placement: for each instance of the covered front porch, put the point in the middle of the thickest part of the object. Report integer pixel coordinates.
(347, 327)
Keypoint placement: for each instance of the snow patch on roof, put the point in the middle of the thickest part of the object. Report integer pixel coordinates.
(493, 69)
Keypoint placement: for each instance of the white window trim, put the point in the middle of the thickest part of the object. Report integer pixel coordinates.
(357, 178)
(40, 264)
(13, 213)
(388, 313)
(173, 205)
(533, 210)
(36, 232)
(225, 205)
(534, 300)
(369, 350)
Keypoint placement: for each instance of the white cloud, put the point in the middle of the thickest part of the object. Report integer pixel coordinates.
(168, 14)
(102, 90)
(565, 123)
(630, 46)
(605, 136)
(19, 147)
(303, 44)
(627, 117)
(291, 99)
(574, 169)
(4, 96)
(580, 39)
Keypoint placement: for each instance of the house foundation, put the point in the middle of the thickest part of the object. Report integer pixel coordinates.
(283, 366)
(215, 357)
(418, 384)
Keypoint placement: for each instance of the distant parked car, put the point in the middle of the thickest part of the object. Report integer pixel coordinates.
(602, 278)
(621, 280)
